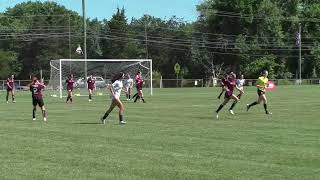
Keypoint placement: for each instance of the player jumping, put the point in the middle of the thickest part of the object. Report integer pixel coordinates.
(91, 87)
(36, 89)
(262, 84)
(129, 85)
(70, 82)
(115, 89)
(10, 88)
(229, 86)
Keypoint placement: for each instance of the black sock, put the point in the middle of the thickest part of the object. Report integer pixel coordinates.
(143, 100)
(220, 95)
(33, 113)
(12, 97)
(68, 98)
(120, 117)
(233, 104)
(129, 96)
(90, 96)
(135, 95)
(7, 97)
(136, 98)
(253, 104)
(220, 107)
(105, 115)
(265, 107)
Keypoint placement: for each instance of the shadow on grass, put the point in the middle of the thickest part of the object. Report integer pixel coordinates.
(89, 123)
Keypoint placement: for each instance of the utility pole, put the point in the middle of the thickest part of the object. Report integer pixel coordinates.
(85, 37)
(300, 44)
(146, 39)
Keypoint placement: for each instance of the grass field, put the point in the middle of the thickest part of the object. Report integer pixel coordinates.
(172, 136)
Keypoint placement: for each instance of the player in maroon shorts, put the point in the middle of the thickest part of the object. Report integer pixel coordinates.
(229, 87)
(70, 83)
(139, 85)
(36, 89)
(91, 86)
(10, 88)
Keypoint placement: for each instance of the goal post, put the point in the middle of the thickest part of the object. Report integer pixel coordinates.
(102, 71)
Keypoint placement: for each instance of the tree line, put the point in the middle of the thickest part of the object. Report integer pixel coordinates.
(243, 36)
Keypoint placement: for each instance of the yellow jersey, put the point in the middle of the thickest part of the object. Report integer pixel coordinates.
(262, 83)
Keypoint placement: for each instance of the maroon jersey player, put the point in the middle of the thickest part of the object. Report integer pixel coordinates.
(229, 87)
(37, 99)
(70, 83)
(10, 88)
(223, 81)
(139, 85)
(91, 86)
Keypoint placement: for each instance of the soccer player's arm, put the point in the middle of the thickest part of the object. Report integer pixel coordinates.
(8, 84)
(111, 89)
(225, 88)
(239, 90)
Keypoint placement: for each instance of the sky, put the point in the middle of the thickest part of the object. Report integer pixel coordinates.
(101, 9)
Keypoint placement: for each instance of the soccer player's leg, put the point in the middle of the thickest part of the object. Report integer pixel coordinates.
(221, 93)
(43, 109)
(236, 100)
(265, 102)
(226, 100)
(7, 97)
(34, 110)
(260, 93)
(141, 96)
(121, 111)
(90, 94)
(13, 96)
(106, 114)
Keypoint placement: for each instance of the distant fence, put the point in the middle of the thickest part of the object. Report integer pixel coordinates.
(184, 83)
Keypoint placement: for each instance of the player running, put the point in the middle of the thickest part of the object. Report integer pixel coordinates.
(229, 86)
(262, 84)
(223, 81)
(36, 89)
(10, 88)
(129, 85)
(115, 89)
(91, 87)
(139, 85)
(70, 83)
(240, 83)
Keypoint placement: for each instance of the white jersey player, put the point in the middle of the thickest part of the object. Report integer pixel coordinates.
(115, 89)
(129, 85)
(240, 83)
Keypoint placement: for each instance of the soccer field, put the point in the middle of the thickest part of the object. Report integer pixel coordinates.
(173, 136)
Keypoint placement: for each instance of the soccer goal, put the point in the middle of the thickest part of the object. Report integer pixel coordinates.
(102, 71)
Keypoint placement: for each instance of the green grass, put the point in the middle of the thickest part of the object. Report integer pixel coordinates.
(172, 136)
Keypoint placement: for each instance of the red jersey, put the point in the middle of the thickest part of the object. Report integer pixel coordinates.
(90, 83)
(139, 81)
(10, 84)
(230, 84)
(69, 83)
(36, 90)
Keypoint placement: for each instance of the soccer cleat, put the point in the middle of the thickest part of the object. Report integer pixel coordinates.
(268, 113)
(34, 119)
(248, 107)
(45, 119)
(122, 122)
(7, 102)
(103, 121)
(90, 100)
(231, 111)
(14, 101)
(217, 116)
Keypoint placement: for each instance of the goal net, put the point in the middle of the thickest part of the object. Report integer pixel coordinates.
(102, 71)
